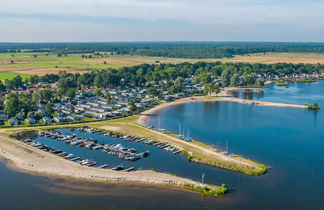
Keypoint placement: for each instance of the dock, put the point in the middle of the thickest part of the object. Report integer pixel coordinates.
(103, 166)
(75, 159)
(129, 169)
(176, 152)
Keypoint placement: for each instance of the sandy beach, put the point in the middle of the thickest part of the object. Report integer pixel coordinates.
(221, 97)
(38, 162)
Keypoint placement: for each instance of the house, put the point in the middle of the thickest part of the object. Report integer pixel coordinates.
(30, 121)
(47, 120)
(4, 116)
(73, 118)
(13, 121)
(20, 116)
(66, 111)
(32, 114)
(60, 119)
(60, 114)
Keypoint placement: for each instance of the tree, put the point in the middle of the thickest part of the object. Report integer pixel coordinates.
(97, 92)
(66, 82)
(16, 82)
(225, 77)
(108, 98)
(133, 106)
(34, 79)
(12, 106)
(9, 85)
(211, 88)
(248, 79)
(235, 80)
(70, 93)
(49, 109)
(2, 87)
(259, 82)
(152, 91)
(46, 95)
(98, 80)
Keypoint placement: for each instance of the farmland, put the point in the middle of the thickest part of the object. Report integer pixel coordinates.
(270, 58)
(41, 63)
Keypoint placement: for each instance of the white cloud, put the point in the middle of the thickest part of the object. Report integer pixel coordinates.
(200, 12)
(196, 19)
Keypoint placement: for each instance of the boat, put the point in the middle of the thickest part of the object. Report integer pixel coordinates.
(88, 162)
(103, 166)
(118, 168)
(129, 169)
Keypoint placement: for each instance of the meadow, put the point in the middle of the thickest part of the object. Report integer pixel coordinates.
(271, 58)
(42, 63)
(11, 75)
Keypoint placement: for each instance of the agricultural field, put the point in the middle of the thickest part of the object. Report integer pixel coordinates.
(28, 63)
(42, 63)
(270, 58)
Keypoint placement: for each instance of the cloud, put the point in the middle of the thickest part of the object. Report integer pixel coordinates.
(209, 16)
(200, 12)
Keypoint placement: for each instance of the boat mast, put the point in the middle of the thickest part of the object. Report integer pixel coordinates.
(159, 124)
(184, 130)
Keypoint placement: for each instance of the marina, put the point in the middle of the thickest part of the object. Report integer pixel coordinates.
(102, 149)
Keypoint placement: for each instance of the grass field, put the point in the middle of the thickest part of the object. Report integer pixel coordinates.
(26, 63)
(11, 75)
(270, 58)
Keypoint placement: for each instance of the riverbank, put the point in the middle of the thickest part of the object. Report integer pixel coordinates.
(31, 160)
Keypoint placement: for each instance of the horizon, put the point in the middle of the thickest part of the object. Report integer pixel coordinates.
(161, 41)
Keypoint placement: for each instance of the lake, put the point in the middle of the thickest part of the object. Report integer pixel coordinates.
(289, 140)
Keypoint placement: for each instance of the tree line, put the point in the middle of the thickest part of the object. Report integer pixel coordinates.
(166, 49)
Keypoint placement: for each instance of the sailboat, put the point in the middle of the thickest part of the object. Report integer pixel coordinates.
(180, 135)
(186, 138)
(160, 129)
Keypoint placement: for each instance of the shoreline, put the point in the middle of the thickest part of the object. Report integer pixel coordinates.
(222, 97)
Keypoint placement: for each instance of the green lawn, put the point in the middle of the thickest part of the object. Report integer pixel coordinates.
(9, 75)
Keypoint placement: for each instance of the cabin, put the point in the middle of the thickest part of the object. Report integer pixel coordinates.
(47, 120)
(13, 121)
(60, 119)
(30, 121)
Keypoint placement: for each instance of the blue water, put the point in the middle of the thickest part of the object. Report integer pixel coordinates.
(295, 93)
(158, 159)
(22, 191)
(290, 140)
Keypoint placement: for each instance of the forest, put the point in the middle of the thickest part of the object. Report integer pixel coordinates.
(166, 49)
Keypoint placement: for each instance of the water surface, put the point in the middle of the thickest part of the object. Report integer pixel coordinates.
(290, 140)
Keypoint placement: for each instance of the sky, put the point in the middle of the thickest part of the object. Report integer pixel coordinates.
(161, 20)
